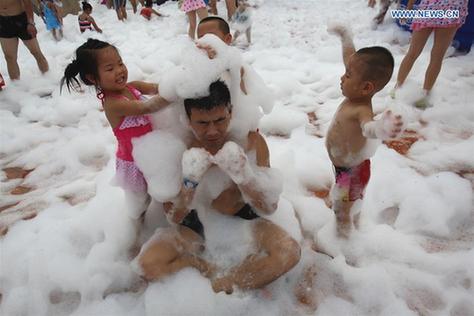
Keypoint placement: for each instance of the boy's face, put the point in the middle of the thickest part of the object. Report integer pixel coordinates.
(210, 126)
(352, 84)
(212, 27)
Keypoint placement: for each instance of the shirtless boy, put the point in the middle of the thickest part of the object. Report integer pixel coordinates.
(274, 251)
(367, 71)
(17, 22)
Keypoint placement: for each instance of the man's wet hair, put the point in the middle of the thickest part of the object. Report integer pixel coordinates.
(221, 23)
(378, 65)
(219, 95)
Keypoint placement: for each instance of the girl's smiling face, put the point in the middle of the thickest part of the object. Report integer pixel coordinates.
(113, 74)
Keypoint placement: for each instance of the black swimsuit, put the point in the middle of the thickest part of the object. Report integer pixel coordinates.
(14, 26)
(192, 220)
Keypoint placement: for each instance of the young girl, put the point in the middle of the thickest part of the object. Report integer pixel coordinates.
(193, 8)
(85, 20)
(99, 64)
(147, 11)
(444, 31)
(52, 18)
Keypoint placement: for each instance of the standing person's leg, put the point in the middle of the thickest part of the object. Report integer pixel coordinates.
(418, 41)
(10, 51)
(123, 9)
(134, 5)
(442, 40)
(201, 13)
(231, 7)
(248, 33)
(213, 5)
(192, 24)
(34, 48)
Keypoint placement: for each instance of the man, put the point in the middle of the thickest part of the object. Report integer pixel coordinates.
(211, 152)
(17, 22)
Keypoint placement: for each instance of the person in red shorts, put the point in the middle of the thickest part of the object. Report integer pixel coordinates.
(147, 10)
(368, 70)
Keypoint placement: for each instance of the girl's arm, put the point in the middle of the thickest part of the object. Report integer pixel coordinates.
(98, 29)
(118, 107)
(145, 87)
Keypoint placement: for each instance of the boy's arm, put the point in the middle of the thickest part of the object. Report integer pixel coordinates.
(120, 107)
(346, 40)
(389, 126)
(145, 87)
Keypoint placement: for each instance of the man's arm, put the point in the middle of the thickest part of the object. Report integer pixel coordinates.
(31, 29)
(261, 187)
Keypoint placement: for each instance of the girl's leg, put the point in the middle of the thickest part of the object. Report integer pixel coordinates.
(55, 35)
(230, 8)
(201, 13)
(418, 41)
(136, 203)
(248, 33)
(192, 24)
(442, 39)
(213, 5)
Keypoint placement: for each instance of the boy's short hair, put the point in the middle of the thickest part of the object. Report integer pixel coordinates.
(219, 95)
(221, 23)
(378, 65)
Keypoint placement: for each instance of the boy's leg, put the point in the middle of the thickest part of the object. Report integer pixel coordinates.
(277, 252)
(230, 4)
(174, 250)
(236, 34)
(442, 40)
(34, 48)
(124, 11)
(418, 41)
(248, 34)
(213, 5)
(342, 210)
(134, 5)
(10, 51)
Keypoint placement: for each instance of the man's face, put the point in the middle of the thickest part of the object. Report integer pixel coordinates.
(210, 126)
(212, 27)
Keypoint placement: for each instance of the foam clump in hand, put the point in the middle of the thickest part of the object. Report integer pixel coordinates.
(233, 160)
(195, 163)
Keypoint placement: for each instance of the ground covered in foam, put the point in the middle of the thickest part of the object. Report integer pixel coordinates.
(66, 236)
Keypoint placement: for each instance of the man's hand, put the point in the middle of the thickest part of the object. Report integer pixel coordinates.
(233, 160)
(195, 163)
(31, 29)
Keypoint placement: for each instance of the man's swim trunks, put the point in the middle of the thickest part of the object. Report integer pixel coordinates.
(192, 220)
(14, 27)
(351, 182)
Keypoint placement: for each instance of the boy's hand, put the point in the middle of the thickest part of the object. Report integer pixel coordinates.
(387, 127)
(339, 30)
(195, 163)
(233, 160)
(392, 124)
(211, 52)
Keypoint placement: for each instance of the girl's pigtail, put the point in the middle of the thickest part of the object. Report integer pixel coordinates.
(70, 73)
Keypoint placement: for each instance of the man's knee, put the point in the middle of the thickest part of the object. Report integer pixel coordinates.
(10, 58)
(288, 253)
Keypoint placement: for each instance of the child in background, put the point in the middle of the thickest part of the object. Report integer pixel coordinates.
(86, 21)
(119, 6)
(147, 11)
(52, 18)
(99, 64)
(135, 4)
(242, 20)
(367, 71)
